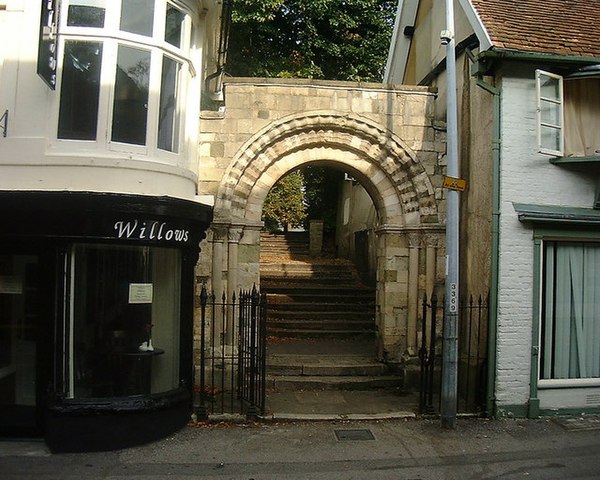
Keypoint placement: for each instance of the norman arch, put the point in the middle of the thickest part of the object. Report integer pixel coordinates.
(408, 235)
(398, 184)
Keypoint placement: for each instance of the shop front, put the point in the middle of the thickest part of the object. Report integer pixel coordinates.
(96, 316)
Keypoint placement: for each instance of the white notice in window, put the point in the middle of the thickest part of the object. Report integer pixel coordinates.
(11, 284)
(140, 293)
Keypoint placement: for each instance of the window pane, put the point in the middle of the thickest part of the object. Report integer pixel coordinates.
(20, 311)
(130, 109)
(551, 113)
(86, 13)
(124, 299)
(80, 90)
(550, 87)
(137, 16)
(571, 311)
(173, 25)
(550, 138)
(169, 119)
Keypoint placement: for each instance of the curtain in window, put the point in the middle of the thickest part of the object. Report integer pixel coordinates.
(582, 117)
(571, 314)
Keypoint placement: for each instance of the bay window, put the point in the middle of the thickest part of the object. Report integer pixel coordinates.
(125, 68)
(123, 321)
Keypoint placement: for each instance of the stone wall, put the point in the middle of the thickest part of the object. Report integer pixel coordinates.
(383, 136)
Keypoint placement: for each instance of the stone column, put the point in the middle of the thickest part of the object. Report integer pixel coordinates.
(430, 264)
(233, 239)
(234, 236)
(219, 233)
(249, 257)
(413, 291)
(392, 293)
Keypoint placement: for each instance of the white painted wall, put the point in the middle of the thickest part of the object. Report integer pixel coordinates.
(356, 212)
(31, 158)
(526, 177)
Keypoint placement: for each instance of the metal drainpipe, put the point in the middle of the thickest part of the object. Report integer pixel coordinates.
(493, 302)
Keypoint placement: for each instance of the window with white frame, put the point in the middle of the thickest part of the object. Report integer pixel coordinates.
(125, 65)
(570, 313)
(568, 113)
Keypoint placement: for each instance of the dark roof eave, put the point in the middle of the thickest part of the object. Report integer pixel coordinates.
(507, 54)
(556, 214)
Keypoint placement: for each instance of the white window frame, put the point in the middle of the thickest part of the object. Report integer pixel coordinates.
(110, 36)
(539, 75)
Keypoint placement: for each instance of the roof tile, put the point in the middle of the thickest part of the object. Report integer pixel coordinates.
(559, 27)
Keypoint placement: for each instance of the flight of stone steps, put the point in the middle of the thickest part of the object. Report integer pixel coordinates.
(320, 320)
(321, 297)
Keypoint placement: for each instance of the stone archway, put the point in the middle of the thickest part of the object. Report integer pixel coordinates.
(397, 182)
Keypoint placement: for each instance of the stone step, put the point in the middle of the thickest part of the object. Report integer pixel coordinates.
(299, 333)
(268, 251)
(288, 283)
(316, 292)
(279, 300)
(316, 308)
(308, 275)
(300, 323)
(321, 317)
(331, 382)
(324, 366)
(315, 263)
(313, 298)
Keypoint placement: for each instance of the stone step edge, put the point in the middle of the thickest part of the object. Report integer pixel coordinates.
(292, 382)
(326, 371)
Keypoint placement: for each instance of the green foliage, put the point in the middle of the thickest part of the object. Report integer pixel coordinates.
(327, 39)
(284, 205)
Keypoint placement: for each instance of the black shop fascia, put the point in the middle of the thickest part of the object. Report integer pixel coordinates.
(96, 316)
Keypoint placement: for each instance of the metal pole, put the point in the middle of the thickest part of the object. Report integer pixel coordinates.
(450, 334)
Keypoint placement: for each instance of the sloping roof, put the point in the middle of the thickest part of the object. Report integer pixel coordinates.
(556, 27)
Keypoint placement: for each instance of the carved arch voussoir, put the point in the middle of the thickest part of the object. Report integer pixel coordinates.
(337, 138)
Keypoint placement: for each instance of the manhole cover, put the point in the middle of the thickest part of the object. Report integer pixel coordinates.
(360, 434)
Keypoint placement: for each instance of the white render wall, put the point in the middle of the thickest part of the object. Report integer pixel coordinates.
(31, 158)
(526, 177)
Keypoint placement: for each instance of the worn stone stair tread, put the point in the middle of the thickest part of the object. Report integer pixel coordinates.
(324, 370)
(312, 297)
(332, 382)
(320, 304)
(303, 333)
(300, 323)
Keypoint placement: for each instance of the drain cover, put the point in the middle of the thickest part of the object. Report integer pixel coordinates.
(360, 434)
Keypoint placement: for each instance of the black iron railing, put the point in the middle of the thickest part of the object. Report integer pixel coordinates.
(472, 354)
(232, 351)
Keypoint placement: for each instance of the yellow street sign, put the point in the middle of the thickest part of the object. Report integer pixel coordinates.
(452, 183)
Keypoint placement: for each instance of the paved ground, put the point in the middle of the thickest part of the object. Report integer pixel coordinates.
(340, 405)
(374, 450)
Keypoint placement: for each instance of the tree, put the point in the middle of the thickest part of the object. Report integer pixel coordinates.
(284, 205)
(327, 39)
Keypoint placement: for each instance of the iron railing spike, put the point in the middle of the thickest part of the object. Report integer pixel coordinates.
(203, 295)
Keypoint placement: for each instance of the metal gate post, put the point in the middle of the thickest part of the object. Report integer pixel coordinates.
(201, 412)
(252, 411)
